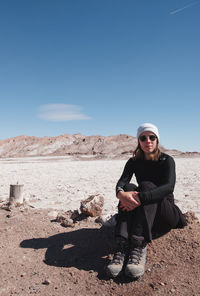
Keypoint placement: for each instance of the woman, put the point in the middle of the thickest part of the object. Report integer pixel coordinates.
(146, 211)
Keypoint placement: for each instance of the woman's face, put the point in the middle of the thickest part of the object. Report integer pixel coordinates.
(147, 143)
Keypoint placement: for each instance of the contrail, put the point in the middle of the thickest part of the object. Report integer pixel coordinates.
(184, 7)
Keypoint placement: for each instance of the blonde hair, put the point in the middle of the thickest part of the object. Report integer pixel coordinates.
(138, 153)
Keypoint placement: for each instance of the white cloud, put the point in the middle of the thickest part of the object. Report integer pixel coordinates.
(61, 112)
(184, 7)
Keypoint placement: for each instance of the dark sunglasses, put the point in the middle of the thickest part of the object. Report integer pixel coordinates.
(144, 138)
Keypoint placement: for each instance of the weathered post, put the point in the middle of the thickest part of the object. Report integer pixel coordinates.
(16, 194)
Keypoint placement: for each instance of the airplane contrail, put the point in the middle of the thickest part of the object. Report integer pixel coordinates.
(184, 7)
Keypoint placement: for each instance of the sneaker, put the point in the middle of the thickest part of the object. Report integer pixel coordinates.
(116, 265)
(136, 263)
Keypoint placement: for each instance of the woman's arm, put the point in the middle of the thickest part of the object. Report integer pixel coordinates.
(128, 200)
(126, 176)
(166, 188)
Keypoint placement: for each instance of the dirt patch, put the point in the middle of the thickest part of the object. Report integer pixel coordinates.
(40, 257)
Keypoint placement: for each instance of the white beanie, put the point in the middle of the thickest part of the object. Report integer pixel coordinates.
(148, 127)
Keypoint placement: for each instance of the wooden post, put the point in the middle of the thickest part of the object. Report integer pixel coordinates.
(16, 194)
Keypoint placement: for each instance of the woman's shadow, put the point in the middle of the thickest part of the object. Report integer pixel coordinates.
(85, 248)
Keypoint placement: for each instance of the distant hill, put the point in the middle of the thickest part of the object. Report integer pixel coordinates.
(74, 145)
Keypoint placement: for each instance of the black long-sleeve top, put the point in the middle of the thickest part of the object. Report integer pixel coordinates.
(161, 173)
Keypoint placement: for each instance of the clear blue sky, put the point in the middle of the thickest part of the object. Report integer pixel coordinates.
(100, 67)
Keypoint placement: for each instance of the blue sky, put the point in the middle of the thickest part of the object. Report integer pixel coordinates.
(100, 67)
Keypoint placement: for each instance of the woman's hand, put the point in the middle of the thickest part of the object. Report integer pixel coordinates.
(129, 200)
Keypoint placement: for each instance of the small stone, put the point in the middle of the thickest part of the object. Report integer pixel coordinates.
(53, 214)
(152, 286)
(107, 221)
(65, 219)
(75, 215)
(68, 223)
(46, 282)
(162, 284)
(23, 274)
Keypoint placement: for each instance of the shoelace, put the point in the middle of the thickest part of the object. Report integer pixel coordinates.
(135, 256)
(118, 256)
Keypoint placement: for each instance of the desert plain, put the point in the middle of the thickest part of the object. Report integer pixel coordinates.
(62, 183)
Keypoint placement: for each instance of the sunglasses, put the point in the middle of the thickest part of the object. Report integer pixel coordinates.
(144, 138)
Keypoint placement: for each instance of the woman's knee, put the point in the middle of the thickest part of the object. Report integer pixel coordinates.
(146, 185)
(130, 187)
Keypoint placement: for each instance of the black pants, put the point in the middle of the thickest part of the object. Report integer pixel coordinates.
(151, 220)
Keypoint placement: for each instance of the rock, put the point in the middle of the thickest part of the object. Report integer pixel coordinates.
(75, 215)
(92, 206)
(162, 284)
(107, 221)
(53, 214)
(68, 223)
(69, 218)
(46, 282)
(191, 218)
(7, 207)
(23, 274)
(65, 219)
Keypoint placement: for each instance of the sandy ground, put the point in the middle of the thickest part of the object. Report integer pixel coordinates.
(38, 256)
(61, 183)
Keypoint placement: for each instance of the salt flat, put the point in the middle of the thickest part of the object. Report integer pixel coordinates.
(61, 183)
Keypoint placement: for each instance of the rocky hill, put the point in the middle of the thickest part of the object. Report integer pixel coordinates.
(72, 145)
(77, 144)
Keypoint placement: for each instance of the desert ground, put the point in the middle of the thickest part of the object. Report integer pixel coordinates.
(61, 183)
(39, 256)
